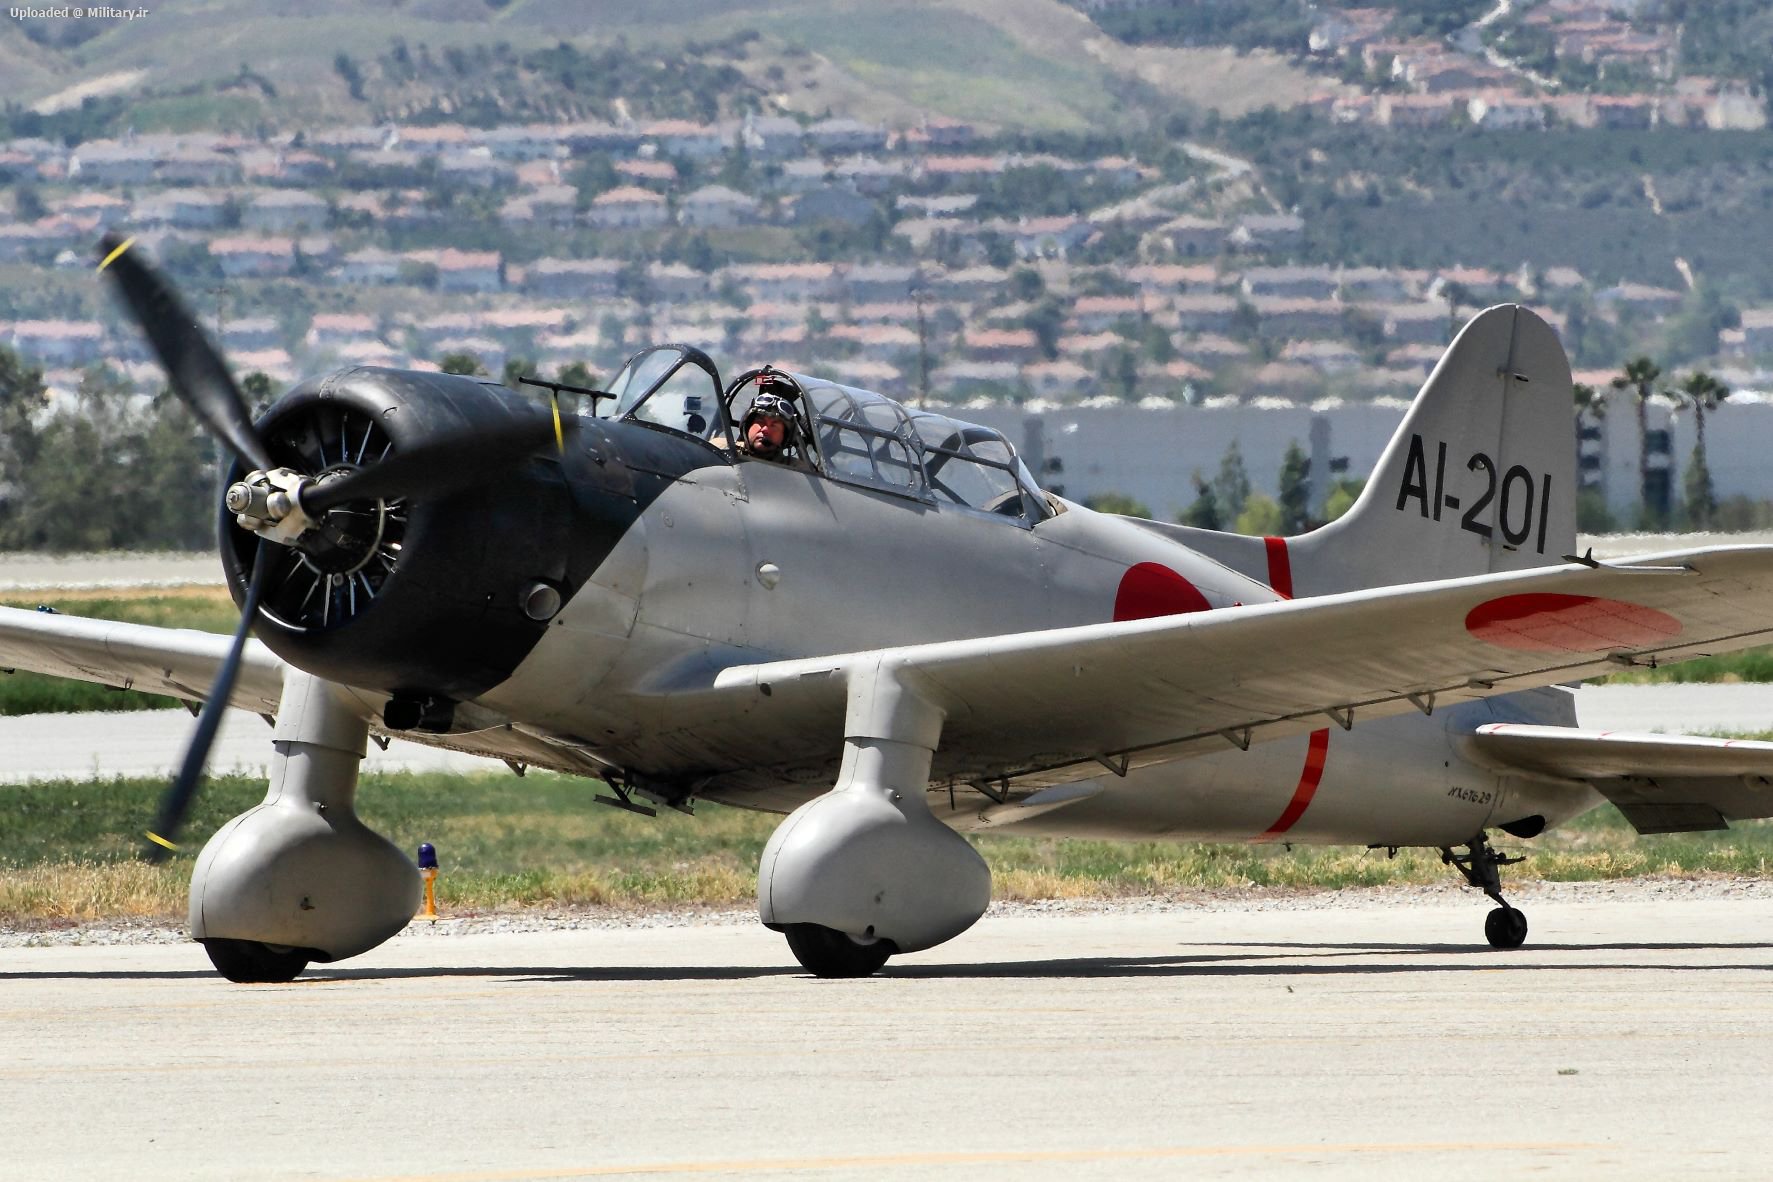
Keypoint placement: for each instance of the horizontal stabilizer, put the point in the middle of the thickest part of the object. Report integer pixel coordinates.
(1662, 783)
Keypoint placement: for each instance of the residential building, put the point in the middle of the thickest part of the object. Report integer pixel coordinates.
(877, 282)
(783, 283)
(554, 206)
(832, 203)
(478, 271)
(59, 342)
(831, 136)
(1207, 312)
(652, 173)
(676, 283)
(771, 137)
(1503, 111)
(285, 211)
(714, 206)
(1293, 319)
(1267, 233)
(1001, 344)
(475, 167)
(1060, 381)
(369, 267)
(573, 278)
(1306, 283)
(690, 141)
(242, 257)
(1194, 237)
(628, 208)
(184, 209)
(330, 330)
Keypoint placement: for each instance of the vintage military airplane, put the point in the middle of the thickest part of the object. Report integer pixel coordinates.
(895, 637)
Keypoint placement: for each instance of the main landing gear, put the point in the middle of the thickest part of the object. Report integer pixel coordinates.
(1504, 927)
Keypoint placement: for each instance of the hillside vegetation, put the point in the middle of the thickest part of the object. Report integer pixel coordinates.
(1027, 63)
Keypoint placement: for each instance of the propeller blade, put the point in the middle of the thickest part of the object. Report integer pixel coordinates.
(198, 374)
(444, 465)
(177, 801)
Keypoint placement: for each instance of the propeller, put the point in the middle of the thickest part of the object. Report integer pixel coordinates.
(198, 375)
(287, 508)
(177, 801)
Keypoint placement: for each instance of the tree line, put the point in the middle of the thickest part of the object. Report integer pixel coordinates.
(121, 471)
(1228, 502)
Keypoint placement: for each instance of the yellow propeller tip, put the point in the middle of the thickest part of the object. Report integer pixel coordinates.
(108, 260)
(559, 433)
(161, 841)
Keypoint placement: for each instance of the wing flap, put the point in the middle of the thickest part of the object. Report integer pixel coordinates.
(179, 662)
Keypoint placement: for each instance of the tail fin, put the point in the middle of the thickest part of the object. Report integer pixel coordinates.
(1481, 475)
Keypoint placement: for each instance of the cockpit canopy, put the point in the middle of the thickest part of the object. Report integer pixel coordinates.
(846, 434)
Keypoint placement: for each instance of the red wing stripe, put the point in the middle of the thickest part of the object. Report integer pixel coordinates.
(1315, 756)
(1280, 567)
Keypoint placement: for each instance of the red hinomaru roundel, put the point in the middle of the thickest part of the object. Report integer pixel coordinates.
(1152, 589)
(1543, 623)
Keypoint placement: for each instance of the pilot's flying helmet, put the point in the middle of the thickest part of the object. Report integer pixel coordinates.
(774, 399)
(771, 406)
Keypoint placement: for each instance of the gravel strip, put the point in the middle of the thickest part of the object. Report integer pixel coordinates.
(41, 935)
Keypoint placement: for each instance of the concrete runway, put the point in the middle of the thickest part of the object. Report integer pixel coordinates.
(1633, 1038)
(152, 743)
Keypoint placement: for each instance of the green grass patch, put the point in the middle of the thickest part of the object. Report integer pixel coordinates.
(208, 610)
(1751, 664)
(199, 112)
(70, 851)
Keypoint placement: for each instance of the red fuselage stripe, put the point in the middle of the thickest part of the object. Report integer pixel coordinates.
(1280, 567)
(1280, 577)
(1315, 756)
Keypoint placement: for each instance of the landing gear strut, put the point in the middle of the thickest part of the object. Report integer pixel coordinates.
(1504, 927)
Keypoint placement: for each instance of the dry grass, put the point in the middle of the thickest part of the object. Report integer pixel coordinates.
(81, 892)
(67, 852)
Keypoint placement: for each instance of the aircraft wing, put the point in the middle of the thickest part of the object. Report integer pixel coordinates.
(180, 662)
(1662, 783)
(1052, 706)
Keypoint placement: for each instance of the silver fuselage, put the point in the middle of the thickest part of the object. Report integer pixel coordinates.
(750, 562)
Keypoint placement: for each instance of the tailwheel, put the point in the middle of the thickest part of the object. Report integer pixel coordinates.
(1505, 927)
(1481, 865)
(248, 962)
(825, 952)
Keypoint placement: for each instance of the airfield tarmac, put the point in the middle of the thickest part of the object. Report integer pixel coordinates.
(1355, 1036)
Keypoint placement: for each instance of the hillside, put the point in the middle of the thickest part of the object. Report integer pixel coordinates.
(1017, 63)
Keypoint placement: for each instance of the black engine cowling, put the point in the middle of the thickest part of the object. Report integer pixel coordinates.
(423, 599)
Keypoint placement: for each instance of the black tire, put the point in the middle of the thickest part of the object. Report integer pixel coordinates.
(824, 952)
(1505, 927)
(248, 962)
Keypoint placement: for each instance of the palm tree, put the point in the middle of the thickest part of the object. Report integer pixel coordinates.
(1640, 374)
(1702, 392)
(1589, 403)
(1590, 406)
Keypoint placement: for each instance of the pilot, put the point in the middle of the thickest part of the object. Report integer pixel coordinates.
(768, 429)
